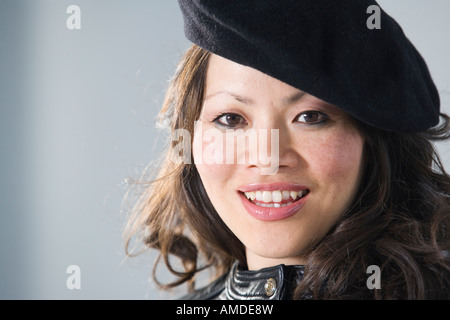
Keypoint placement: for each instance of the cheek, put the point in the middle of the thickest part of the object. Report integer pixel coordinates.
(215, 178)
(336, 161)
(208, 154)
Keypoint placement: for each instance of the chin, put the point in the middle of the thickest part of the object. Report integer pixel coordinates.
(287, 246)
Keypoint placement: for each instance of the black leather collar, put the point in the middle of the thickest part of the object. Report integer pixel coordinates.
(273, 283)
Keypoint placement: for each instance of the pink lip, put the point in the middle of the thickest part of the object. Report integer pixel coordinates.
(273, 213)
(271, 187)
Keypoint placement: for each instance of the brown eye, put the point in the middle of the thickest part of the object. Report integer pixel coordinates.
(230, 120)
(312, 117)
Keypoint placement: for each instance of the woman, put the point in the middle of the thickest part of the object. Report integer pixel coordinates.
(353, 202)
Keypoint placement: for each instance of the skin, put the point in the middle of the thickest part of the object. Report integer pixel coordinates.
(319, 147)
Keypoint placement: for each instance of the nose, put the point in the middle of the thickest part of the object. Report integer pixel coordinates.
(275, 149)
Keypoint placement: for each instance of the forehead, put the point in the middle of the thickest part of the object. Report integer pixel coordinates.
(224, 74)
(227, 79)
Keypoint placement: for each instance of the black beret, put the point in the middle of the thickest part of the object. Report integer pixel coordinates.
(325, 48)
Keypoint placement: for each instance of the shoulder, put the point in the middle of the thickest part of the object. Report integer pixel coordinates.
(210, 292)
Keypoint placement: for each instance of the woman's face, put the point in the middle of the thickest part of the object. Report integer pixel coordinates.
(316, 150)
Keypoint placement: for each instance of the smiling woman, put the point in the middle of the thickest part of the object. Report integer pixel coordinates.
(354, 186)
(313, 162)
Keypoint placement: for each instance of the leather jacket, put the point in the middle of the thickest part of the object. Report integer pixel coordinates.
(273, 283)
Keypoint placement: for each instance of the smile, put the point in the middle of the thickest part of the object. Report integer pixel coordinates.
(271, 202)
(275, 199)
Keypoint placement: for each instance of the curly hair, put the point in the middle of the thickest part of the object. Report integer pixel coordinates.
(399, 220)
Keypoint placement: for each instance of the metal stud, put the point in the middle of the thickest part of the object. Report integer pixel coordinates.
(270, 287)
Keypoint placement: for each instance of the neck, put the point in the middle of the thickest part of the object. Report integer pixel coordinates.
(256, 262)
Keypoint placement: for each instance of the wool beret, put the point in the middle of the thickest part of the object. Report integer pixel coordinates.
(327, 48)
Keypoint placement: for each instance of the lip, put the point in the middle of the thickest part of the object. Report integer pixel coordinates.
(271, 187)
(271, 213)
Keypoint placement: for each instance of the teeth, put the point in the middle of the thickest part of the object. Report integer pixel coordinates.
(258, 195)
(267, 196)
(251, 195)
(273, 205)
(277, 196)
(294, 194)
(273, 197)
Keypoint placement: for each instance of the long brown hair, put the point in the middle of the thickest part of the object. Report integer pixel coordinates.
(399, 221)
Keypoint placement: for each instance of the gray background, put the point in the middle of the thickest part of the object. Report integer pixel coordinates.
(77, 111)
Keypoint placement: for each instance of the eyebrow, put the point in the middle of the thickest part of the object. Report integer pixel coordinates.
(297, 96)
(237, 97)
